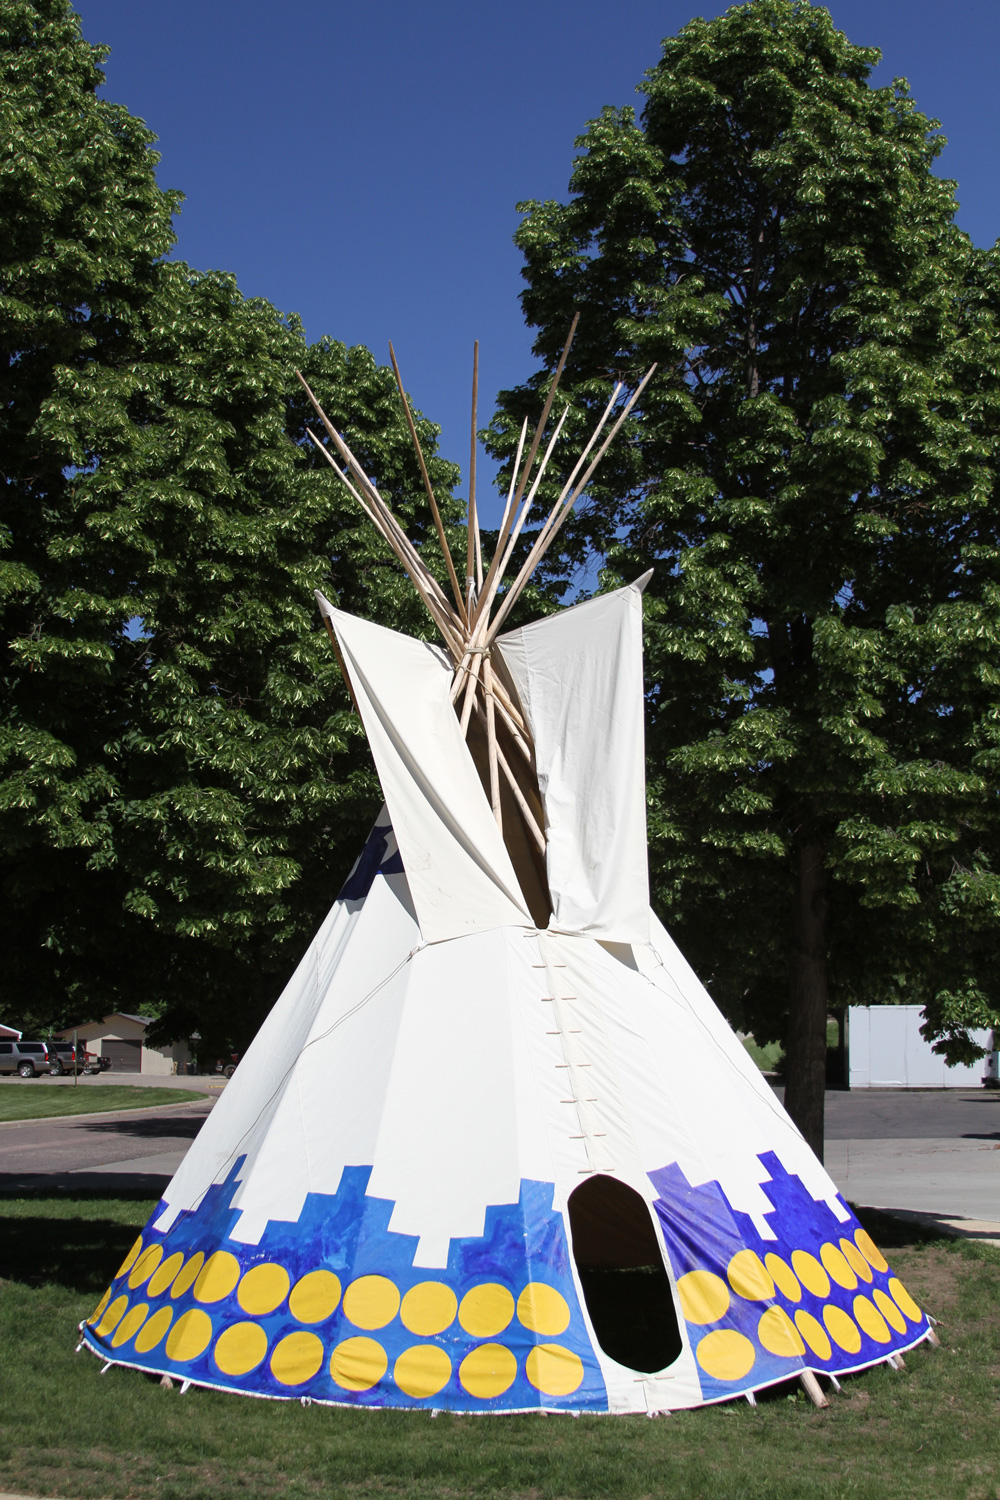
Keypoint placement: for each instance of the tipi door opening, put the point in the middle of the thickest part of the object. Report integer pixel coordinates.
(625, 1284)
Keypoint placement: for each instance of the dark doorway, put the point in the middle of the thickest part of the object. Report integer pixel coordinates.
(126, 1057)
(625, 1284)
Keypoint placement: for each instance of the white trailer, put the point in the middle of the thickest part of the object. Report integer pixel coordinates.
(886, 1051)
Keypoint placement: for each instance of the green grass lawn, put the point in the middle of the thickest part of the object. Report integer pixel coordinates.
(931, 1430)
(770, 1057)
(767, 1058)
(32, 1100)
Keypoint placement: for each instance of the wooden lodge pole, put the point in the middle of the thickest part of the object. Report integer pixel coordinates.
(472, 524)
(491, 740)
(438, 523)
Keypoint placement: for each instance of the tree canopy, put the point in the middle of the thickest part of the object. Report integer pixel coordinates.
(813, 476)
(182, 782)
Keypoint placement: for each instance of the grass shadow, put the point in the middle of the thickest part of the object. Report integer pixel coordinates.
(77, 1243)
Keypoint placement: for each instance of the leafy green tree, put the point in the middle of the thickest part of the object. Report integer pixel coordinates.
(813, 475)
(182, 782)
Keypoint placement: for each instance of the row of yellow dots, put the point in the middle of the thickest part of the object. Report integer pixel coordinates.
(727, 1354)
(356, 1364)
(370, 1302)
(705, 1296)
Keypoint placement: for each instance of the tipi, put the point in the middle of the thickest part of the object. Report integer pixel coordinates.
(495, 1149)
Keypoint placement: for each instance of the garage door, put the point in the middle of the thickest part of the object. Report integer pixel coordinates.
(126, 1057)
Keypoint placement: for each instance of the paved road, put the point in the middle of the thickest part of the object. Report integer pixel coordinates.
(936, 1152)
(903, 1114)
(139, 1148)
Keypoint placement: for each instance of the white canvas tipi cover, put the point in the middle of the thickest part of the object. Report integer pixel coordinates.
(472, 1164)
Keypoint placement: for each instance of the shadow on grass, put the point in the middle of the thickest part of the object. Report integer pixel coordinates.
(72, 1243)
(891, 1233)
(77, 1243)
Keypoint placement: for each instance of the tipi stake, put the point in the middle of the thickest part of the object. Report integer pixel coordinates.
(813, 1389)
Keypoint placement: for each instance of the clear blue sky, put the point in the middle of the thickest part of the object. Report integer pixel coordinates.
(360, 163)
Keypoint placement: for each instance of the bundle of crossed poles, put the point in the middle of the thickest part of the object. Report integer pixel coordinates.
(471, 619)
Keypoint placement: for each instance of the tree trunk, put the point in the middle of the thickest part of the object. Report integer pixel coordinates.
(806, 1055)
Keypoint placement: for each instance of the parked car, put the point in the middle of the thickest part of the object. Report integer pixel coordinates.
(27, 1058)
(61, 1056)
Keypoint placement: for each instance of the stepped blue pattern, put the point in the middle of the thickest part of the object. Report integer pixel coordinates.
(513, 1365)
(821, 1274)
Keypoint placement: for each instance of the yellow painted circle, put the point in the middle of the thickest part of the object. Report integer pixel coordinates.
(544, 1310)
(358, 1364)
(263, 1288)
(314, 1297)
(837, 1268)
(749, 1278)
(153, 1329)
(889, 1310)
(100, 1307)
(489, 1370)
(145, 1265)
(553, 1370)
(297, 1358)
(903, 1300)
(842, 1329)
(422, 1371)
(779, 1335)
(725, 1354)
(189, 1275)
(870, 1250)
(814, 1334)
(371, 1301)
(129, 1260)
(131, 1323)
(811, 1274)
(240, 1349)
(217, 1277)
(783, 1277)
(704, 1296)
(190, 1335)
(486, 1311)
(867, 1315)
(112, 1317)
(165, 1273)
(428, 1308)
(855, 1260)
